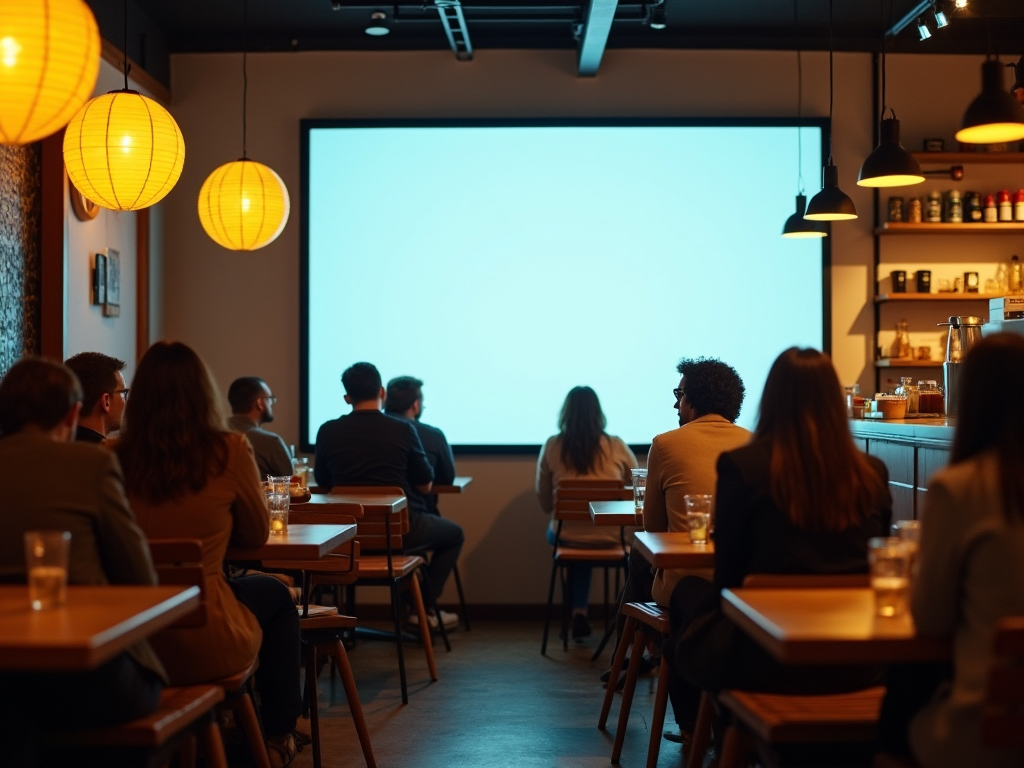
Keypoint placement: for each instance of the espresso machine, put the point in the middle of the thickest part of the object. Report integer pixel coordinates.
(964, 333)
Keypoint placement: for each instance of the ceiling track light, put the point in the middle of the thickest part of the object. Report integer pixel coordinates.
(656, 16)
(994, 116)
(922, 29)
(378, 26)
(940, 18)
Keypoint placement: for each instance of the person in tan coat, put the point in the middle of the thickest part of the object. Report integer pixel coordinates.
(188, 476)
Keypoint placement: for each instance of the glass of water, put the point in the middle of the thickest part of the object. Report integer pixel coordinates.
(639, 488)
(46, 564)
(277, 504)
(702, 503)
(889, 559)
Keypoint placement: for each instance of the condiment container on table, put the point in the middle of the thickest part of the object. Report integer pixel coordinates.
(929, 398)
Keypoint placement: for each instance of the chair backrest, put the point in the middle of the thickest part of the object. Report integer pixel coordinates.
(573, 497)
(806, 581)
(1002, 720)
(374, 525)
(179, 563)
(326, 514)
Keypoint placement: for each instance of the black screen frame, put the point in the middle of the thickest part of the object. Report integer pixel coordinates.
(309, 124)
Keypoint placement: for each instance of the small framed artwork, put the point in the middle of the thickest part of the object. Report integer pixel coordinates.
(112, 305)
(99, 280)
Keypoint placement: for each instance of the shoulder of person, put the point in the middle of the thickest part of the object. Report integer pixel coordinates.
(968, 479)
(427, 429)
(754, 454)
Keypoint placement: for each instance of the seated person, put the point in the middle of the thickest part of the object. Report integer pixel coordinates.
(84, 495)
(799, 499)
(104, 394)
(252, 406)
(188, 476)
(581, 449)
(971, 567)
(367, 447)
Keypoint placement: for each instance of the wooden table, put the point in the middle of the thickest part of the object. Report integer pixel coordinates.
(96, 624)
(301, 542)
(615, 513)
(458, 486)
(674, 550)
(828, 626)
(370, 502)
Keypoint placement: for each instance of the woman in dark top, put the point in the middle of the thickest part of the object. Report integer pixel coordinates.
(798, 499)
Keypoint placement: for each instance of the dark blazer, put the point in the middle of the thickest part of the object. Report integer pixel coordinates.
(439, 454)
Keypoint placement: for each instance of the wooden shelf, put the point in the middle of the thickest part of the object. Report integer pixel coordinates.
(906, 228)
(948, 296)
(898, 362)
(1008, 158)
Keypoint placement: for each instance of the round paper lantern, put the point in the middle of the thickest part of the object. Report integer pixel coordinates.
(124, 151)
(243, 205)
(49, 59)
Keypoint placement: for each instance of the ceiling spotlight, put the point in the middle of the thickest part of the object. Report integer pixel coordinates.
(378, 24)
(940, 18)
(922, 29)
(656, 20)
(960, 3)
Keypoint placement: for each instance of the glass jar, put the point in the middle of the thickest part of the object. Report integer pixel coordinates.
(908, 389)
(929, 398)
(901, 345)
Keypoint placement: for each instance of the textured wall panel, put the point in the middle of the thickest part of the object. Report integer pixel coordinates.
(20, 233)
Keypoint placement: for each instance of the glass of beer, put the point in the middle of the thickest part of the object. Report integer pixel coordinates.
(639, 488)
(46, 564)
(703, 503)
(697, 524)
(889, 559)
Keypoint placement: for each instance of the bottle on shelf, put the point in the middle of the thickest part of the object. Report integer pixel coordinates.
(1018, 205)
(990, 214)
(1015, 277)
(901, 346)
(1005, 205)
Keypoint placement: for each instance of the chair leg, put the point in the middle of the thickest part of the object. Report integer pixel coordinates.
(395, 615)
(432, 599)
(627, 692)
(187, 752)
(337, 651)
(547, 614)
(606, 609)
(736, 748)
(253, 731)
(312, 701)
(613, 679)
(566, 604)
(462, 597)
(213, 746)
(428, 646)
(658, 716)
(701, 729)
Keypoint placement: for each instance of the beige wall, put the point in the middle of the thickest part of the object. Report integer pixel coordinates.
(241, 311)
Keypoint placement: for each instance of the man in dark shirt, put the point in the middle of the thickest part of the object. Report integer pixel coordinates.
(103, 395)
(252, 406)
(367, 447)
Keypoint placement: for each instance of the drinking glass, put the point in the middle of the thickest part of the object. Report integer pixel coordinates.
(639, 488)
(701, 502)
(300, 469)
(889, 558)
(697, 526)
(909, 532)
(277, 504)
(46, 562)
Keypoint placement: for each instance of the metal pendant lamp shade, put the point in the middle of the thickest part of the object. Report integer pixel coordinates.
(49, 59)
(124, 151)
(797, 226)
(890, 165)
(831, 204)
(243, 205)
(994, 116)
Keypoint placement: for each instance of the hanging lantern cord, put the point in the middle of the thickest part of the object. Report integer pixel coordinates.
(799, 101)
(127, 66)
(245, 76)
(831, 88)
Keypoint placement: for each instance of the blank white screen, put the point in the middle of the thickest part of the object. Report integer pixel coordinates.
(505, 265)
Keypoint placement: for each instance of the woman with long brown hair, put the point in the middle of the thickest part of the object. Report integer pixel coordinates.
(188, 476)
(798, 499)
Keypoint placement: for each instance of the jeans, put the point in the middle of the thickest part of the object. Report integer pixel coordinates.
(579, 580)
(443, 537)
(278, 675)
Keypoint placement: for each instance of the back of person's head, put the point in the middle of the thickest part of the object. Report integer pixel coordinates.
(402, 392)
(173, 433)
(581, 425)
(712, 387)
(244, 392)
(361, 382)
(36, 392)
(96, 373)
(991, 413)
(818, 477)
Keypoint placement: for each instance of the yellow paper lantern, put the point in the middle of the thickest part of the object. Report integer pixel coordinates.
(124, 151)
(243, 205)
(49, 60)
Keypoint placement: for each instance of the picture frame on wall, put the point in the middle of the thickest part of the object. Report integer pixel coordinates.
(99, 280)
(112, 305)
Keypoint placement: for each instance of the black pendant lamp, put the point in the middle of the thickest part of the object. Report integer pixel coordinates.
(797, 226)
(994, 116)
(831, 204)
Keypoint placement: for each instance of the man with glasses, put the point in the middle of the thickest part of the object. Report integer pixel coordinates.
(104, 394)
(252, 405)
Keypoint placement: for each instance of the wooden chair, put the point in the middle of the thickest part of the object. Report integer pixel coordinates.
(572, 503)
(322, 626)
(184, 714)
(455, 575)
(381, 534)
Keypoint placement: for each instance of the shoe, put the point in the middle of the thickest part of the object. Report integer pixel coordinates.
(580, 627)
(281, 750)
(451, 620)
(645, 668)
(677, 737)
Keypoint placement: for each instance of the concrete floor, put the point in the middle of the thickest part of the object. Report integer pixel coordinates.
(497, 703)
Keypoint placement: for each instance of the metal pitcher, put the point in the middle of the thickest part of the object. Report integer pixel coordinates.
(964, 333)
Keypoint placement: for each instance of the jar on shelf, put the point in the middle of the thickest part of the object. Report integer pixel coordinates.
(1005, 205)
(972, 207)
(914, 210)
(933, 209)
(929, 398)
(1018, 205)
(990, 214)
(908, 389)
(901, 346)
(954, 207)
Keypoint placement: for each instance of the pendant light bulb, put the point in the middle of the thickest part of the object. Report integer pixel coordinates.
(831, 204)
(922, 29)
(994, 117)
(890, 165)
(960, 3)
(798, 227)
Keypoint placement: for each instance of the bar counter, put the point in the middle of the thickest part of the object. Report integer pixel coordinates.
(930, 432)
